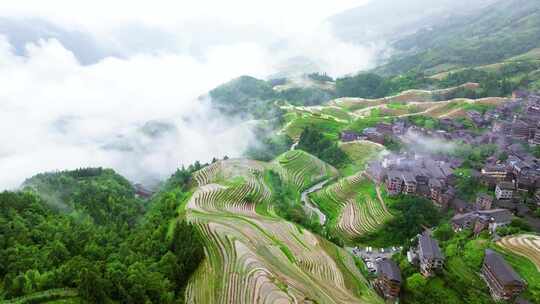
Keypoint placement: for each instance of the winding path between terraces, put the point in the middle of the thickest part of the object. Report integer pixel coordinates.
(308, 205)
(378, 190)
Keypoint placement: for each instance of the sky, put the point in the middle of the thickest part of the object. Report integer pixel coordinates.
(153, 60)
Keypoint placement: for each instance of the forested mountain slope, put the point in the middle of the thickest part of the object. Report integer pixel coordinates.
(502, 30)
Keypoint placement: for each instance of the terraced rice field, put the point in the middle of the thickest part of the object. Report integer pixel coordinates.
(303, 169)
(526, 245)
(360, 152)
(254, 258)
(352, 206)
(339, 112)
(226, 169)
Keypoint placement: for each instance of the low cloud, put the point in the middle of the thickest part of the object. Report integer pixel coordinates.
(427, 144)
(57, 113)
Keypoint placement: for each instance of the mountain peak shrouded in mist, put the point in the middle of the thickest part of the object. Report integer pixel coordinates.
(387, 20)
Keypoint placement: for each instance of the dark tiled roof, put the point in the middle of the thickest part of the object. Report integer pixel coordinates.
(506, 186)
(435, 183)
(498, 215)
(502, 271)
(429, 246)
(461, 219)
(393, 174)
(390, 269)
(408, 177)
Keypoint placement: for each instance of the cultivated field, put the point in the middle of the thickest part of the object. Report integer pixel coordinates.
(525, 245)
(341, 113)
(353, 206)
(302, 169)
(255, 258)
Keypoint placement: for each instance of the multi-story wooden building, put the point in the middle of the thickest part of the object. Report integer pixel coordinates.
(388, 282)
(503, 282)
(429, 254)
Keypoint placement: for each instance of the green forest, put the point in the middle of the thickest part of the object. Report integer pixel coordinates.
(85, 234)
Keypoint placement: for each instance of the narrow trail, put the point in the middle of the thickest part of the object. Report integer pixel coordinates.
(309, 206)
(381, 199)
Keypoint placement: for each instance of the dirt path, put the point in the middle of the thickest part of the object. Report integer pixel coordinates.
(381, 199)
(309, 206)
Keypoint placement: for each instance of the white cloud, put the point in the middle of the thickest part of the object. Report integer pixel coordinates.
(281, 15)
(56, 113)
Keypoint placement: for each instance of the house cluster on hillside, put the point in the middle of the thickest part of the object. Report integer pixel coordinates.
(481, 220)
(376, 134)
(415, 174)
(519, 173)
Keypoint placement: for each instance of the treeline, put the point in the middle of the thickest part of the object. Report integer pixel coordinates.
(371, 85)
(105, 246)
(502, 30)
(315, 142)
(410, 215)
(501, 82)
(254, 98)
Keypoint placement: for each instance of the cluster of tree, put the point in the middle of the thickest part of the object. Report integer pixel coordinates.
(315, 142)
(424, 122)
(250, 97)
(517, 226)
(306, 96)
(474, 157)
(463, 259)
(322, 77)
(268, 145)
(104, 195)
(411, 215)
(103, 246)
(371, 85)
(287, 204)
(244, 96)
(501, 82)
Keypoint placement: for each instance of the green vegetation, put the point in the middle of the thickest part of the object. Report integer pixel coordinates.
(359, 153)
(286, 201)
(316, 143)
(244, 95)
(410, 215)
(102, 194)
(250, 97)
(352, 208)
(306, 96)
(463, 260)
(500, 31)
(302, 169)
(268, 146)
(93, 241)
(370, 85)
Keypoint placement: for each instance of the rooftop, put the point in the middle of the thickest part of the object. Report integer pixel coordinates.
(502, 271)
(389, 268)
(429, 247)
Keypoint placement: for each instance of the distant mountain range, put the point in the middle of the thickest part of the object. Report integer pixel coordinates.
(389, 20)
